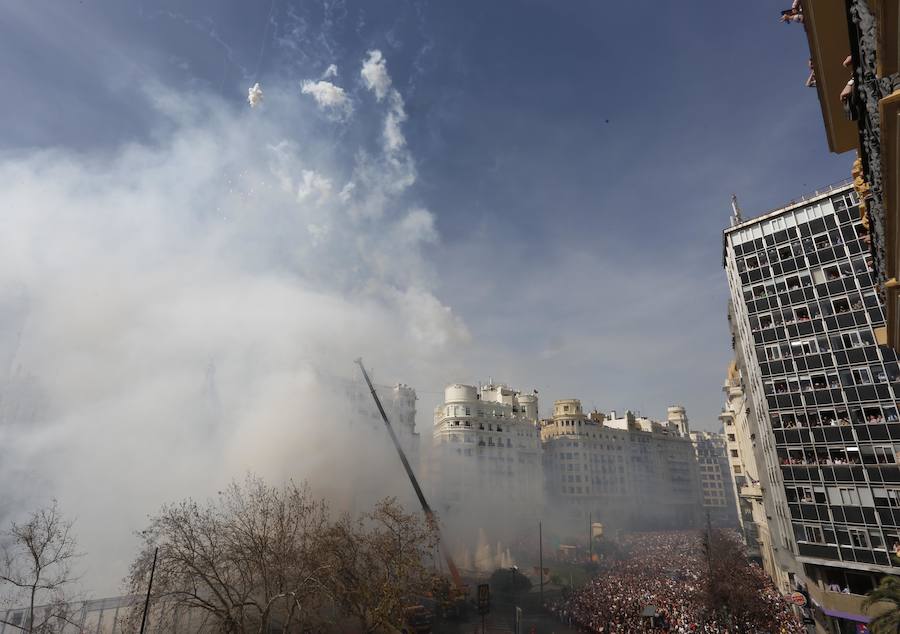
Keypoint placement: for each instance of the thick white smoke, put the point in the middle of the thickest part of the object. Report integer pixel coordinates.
(171, 313)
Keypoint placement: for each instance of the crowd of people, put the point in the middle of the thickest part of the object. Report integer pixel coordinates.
(658, 584)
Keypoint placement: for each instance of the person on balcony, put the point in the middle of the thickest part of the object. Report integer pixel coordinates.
(794, 14)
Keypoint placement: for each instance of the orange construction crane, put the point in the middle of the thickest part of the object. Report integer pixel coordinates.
(429, 514)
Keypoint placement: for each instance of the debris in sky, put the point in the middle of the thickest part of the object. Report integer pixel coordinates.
(254, 95)
(328, 96)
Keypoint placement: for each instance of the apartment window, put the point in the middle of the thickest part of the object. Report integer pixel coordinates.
(841, 305)
(861, 376)
(804, 346)
(884, 455)
(737, 468)
(731, 437)
(851, 340)
(805, 494)
(814, 534)
(468, 412)
(859, 537)
(565, 408)
(848, 497)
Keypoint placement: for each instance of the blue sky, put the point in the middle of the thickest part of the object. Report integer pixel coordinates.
(532, 191)
(578, 158)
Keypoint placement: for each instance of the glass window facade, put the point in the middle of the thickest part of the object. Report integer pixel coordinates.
(810, 308)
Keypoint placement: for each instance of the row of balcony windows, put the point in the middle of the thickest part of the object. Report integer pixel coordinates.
(844, 215)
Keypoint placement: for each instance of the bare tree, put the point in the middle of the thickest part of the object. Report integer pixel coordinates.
(379, 563)
(37, 559)
(246, 562)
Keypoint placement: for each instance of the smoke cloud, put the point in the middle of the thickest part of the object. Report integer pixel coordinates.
(330, 98)
(175, 313)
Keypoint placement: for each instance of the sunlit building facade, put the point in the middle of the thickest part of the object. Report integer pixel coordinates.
(486, 449)
(855, 58)
(625, 472)
(824, 394)
(716, 482)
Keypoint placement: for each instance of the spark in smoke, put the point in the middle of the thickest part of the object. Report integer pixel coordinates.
(254, 95)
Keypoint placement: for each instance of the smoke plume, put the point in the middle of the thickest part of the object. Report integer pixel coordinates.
(175, 313)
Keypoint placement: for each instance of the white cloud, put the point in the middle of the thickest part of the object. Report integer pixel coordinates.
(331, 71)
(329, 97)
(375, 75)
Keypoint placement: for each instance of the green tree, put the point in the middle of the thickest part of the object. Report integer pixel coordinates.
(888, 591)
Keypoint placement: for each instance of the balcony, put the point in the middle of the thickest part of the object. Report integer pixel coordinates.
(840, 604)
(829, 46)
(751, 491)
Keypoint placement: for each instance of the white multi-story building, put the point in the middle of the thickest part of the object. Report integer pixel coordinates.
(628, 472)
(740, 427)
(487, 451)
(369, 476)
(716, 483)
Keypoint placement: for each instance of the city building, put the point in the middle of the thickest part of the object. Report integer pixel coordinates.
(822, 396)
(365, 473)
(625, 472)
(855, 58)
(741, 428)
(716, 483)
(487, 450)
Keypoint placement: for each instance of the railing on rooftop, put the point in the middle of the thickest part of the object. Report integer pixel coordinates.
(807, 197)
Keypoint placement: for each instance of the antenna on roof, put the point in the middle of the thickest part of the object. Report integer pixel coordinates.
(736, 218)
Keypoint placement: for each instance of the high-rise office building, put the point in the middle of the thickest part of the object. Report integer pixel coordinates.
(805, 311)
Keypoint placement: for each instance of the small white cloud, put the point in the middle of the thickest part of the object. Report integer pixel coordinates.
(331, 71)
(328, 96)
(313, 186)
(374, 73)
(254, 95)
(346, 192)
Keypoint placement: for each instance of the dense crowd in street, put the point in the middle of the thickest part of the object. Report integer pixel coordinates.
(668, 572)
